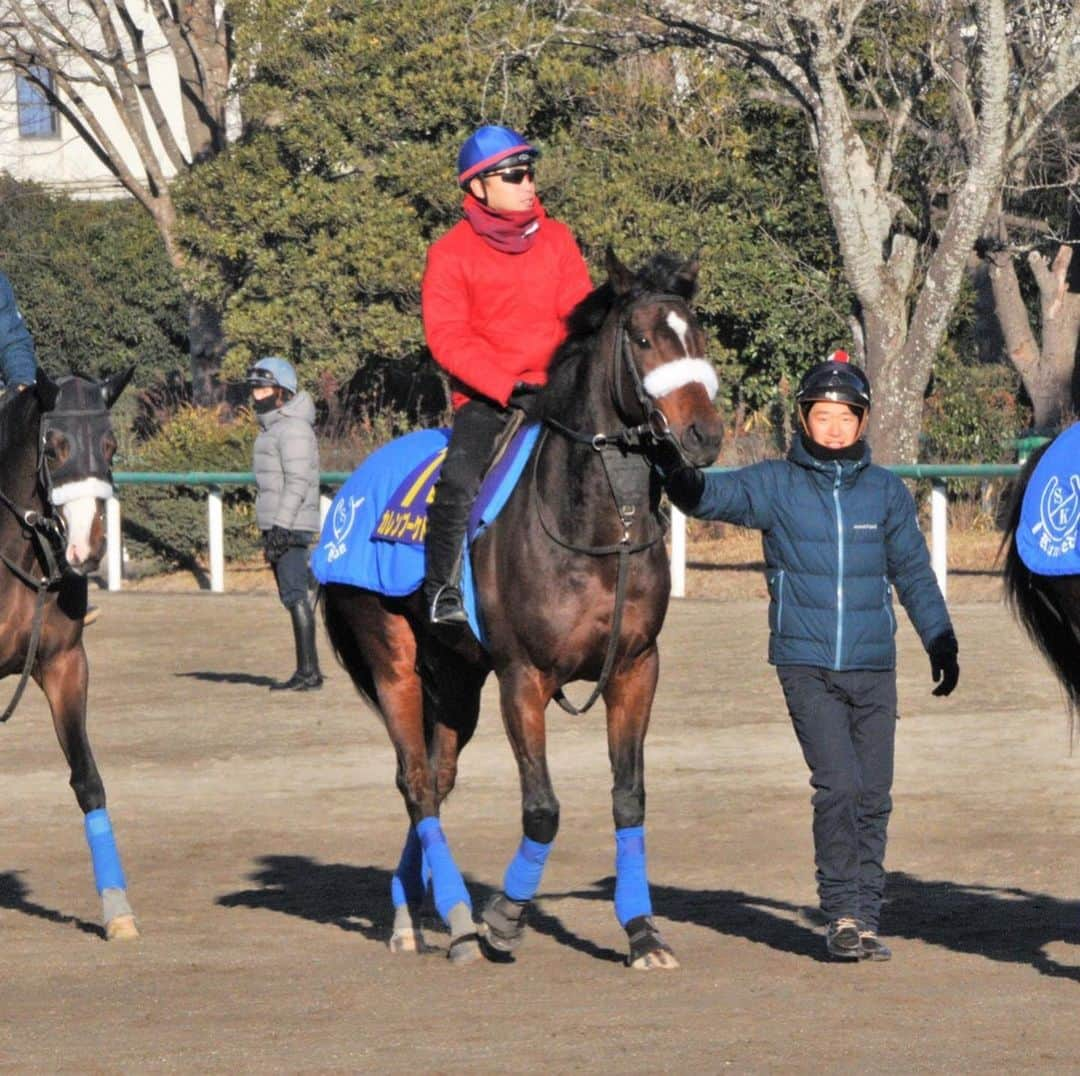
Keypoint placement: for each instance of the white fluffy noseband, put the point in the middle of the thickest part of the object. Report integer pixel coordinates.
(87, 487)
(674, 375)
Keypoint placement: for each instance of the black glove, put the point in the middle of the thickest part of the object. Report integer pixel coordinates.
(524, 397)
(684, 487)
(943, 663)
(275, 541)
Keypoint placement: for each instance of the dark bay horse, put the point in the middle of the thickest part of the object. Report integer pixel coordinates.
(56, 449)
(573, 582)
(1048, 606)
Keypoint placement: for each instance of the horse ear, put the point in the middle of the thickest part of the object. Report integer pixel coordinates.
(622, 280)
(47, 390)
(685, 282)
(115, 385)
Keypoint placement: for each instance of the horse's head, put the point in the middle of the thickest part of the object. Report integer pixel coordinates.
(663, 348)
(78, 445)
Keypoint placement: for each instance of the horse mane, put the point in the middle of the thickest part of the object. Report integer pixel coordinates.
(13, 419)
(662, 274)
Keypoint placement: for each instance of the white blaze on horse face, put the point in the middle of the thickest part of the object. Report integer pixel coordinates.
(670, 376)
(680, 327)
(78, 501)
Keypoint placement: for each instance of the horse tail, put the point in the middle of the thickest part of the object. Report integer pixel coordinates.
(344, 643)
(1036, 604)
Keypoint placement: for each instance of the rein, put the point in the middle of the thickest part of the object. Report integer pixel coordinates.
(622, 454)
(46, 534)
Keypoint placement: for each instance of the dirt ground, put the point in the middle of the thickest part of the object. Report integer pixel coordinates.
(259, 833)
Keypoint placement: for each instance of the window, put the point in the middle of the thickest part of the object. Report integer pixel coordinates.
(37, 118)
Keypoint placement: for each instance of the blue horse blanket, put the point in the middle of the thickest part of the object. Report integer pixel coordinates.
(373, 536)
(1050, 514)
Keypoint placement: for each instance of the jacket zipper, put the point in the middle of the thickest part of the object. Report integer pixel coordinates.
(780, 603)
(839, 567)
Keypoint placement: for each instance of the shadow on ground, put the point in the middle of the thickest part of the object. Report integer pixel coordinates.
(1001, 924)
(250, 679)
(15, 897)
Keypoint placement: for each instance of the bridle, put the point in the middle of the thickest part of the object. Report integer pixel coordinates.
(627, 458)
(654, 429)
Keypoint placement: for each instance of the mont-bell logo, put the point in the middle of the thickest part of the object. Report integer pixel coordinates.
(1059, 514)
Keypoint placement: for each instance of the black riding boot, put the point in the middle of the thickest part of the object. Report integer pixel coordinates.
(477, 427)
(444, 562)
(307, 676)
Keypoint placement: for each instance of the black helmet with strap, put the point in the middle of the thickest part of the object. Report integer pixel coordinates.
(837, 380)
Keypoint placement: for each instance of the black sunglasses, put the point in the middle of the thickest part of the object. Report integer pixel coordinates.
(514, 175)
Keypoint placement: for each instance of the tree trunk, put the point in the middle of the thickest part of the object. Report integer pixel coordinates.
(897, 378)
(1047, 372)
(206, 344)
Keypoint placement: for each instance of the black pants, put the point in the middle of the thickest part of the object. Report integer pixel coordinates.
(846, 725)
(291, 571)
(472, 445)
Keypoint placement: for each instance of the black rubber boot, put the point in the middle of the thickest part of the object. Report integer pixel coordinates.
(307, 676)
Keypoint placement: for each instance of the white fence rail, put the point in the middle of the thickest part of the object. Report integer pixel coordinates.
(938, 474)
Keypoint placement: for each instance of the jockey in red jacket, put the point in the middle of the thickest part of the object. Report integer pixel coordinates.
(496, 293)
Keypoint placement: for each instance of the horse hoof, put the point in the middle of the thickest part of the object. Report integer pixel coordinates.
(648, 951)
(662, 959)
(464, 949)
(407, 941)
(504, 920)
(121, 928)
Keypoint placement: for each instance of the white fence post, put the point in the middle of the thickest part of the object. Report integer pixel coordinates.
(114, 539)
(324, 508)
(216, 521)
(678, 553)
(939, 531)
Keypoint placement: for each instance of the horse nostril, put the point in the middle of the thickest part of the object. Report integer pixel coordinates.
(693, 438)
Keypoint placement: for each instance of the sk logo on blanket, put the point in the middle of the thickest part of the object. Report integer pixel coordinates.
(341, 522)
(1059, 513)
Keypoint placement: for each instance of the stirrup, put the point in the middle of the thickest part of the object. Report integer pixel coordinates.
(448, 607)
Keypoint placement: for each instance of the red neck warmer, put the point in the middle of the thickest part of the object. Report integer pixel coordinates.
(512, 233)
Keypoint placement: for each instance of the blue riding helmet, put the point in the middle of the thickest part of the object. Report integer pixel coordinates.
(273, 372)
(490, 146)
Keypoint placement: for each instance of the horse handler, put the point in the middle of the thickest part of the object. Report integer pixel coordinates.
(287, 505)
(838, 534)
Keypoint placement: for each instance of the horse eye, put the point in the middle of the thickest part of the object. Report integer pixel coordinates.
(56, 447)
(641, 340)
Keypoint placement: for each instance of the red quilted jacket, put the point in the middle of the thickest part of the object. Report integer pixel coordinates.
(492, 319)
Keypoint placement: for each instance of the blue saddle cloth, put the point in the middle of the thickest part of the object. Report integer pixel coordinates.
(1050, 514)
(373, 536)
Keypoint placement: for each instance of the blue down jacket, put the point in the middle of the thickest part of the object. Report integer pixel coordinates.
(837, 537)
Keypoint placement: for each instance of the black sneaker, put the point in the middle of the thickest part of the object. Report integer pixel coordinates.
(842, 940)
(873, 948)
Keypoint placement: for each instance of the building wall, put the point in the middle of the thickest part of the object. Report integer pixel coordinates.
(65, 162)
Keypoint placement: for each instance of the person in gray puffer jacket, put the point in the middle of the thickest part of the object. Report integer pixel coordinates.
(286, 468)
(839, 534)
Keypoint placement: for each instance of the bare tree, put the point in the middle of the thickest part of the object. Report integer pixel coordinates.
(1037, 227)
(92, 60)
(917, 112)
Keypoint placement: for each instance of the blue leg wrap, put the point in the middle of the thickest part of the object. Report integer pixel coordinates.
(631, 879)
(108, 874)
(522, 878)
(408, 884)
(445, 876)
